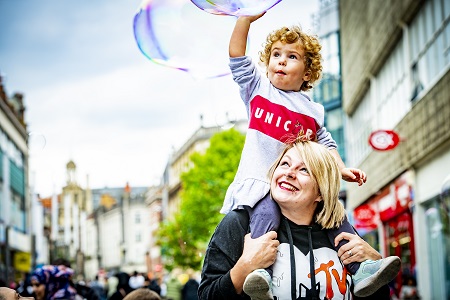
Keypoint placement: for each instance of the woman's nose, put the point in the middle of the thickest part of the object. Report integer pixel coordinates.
(290, 173)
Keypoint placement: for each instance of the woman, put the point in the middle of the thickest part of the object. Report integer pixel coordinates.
(53, 282)
(305, 182)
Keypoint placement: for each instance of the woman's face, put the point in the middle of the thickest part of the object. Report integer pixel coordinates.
(10, 294)
(38, 289)
(292, 186)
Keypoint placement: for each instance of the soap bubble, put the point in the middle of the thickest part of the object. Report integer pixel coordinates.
(235, 7)
(176, 34)
(36, 142)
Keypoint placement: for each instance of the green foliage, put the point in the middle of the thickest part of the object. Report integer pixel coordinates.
(183, 240)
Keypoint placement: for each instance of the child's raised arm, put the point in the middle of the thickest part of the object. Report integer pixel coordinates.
(238, 40)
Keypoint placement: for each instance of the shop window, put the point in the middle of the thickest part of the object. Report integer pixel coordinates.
(399, 242)
(437, 213)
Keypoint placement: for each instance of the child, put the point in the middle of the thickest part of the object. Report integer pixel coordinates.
(278, 110)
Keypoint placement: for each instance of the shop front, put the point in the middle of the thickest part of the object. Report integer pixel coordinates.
(386, 223)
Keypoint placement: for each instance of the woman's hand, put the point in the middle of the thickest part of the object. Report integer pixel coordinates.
(356, 250)
(258, 253)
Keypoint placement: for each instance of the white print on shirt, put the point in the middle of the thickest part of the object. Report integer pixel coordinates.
(279, 122)
(332, 279)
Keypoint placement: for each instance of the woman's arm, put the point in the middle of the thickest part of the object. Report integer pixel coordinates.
(360, 249)
(232, 255)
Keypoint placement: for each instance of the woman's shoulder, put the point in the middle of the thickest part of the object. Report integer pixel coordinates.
(236, 218)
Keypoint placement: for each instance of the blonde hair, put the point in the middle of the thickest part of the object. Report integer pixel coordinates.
(324, 171)
(309, 43)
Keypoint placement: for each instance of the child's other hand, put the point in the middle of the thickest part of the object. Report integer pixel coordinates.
(353, 175)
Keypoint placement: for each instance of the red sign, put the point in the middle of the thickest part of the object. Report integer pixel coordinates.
(383, 140)
(365, 217)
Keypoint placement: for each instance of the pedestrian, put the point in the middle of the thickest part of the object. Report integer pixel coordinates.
(51, 282)
(174, 286)
(98, 287)
(111, 283)
(10, 294)
(278, 110)
(409, 289)
(123, 288)
(190, 288)
(136, 280)
(305, 183)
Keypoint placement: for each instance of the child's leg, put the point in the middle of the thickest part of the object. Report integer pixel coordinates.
(333, 233)
(369, 275)
(264, 217)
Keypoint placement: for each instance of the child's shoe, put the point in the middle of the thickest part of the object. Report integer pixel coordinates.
(373, 274)
(258, 285)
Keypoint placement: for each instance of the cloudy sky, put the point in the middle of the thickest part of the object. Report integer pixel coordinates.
(91, 96)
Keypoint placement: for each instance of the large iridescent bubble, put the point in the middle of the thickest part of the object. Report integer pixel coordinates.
(176, 34)
(235, 7)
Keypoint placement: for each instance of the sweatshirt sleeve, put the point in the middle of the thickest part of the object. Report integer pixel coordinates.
(325, 138)
(224, 250)
(246, 75)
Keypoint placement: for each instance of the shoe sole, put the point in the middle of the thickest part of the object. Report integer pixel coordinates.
(388, 270)
(257, 285)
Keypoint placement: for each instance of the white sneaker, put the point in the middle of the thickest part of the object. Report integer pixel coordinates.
(373, 274)
(258, 285)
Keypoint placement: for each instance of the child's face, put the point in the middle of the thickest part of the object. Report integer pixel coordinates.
(286, 69)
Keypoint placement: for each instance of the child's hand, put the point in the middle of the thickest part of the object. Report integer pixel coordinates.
(251, 19)
(353, 175)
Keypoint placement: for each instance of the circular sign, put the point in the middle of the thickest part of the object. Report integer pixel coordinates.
(383, 140)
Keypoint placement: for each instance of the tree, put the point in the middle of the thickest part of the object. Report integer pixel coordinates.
(183, 239)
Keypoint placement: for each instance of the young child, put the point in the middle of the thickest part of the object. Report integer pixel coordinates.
(278, 110)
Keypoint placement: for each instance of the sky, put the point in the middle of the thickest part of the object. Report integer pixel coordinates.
(93, 97)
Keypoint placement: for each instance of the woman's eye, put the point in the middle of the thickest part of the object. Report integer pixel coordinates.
(304, 170)
(284, 163)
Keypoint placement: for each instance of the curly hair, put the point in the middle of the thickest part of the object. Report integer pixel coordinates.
(311, 46)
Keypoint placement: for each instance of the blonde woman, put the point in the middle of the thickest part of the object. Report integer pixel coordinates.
(304, 183)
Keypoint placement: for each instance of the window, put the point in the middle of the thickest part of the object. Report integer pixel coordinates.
(137, 218)
(138, 237)
(360, 128)
(429, 45)
(419, 59)
(438, 233)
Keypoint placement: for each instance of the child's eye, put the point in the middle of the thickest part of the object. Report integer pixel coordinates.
(292, 56)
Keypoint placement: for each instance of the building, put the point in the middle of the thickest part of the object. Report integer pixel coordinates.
(329, 90)
(16, 239)
(179, 162)
(395, 75)
(155, 211)
(118, 231)
(69, 224)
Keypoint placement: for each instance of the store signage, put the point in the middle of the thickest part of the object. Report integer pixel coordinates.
(390, 201)
(384, 140)
(366, 217)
